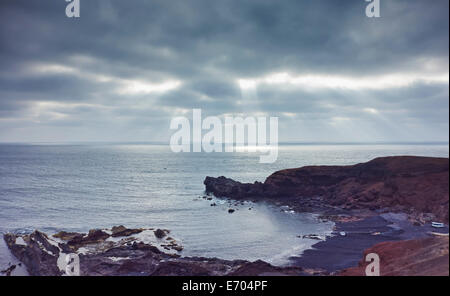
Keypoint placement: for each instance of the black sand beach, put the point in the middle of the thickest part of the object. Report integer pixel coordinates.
(342, 251)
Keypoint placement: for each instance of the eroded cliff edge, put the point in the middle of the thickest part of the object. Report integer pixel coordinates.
(361, 198)
(409, 184)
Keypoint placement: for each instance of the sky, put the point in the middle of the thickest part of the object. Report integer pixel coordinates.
(124, 69)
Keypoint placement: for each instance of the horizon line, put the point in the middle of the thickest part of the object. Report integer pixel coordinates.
(286, 143)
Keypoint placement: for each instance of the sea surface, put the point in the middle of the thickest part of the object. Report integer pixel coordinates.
(80, 187)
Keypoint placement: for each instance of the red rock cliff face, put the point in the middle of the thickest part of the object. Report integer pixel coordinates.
(406, 183)
(420, 183)
(421, 257)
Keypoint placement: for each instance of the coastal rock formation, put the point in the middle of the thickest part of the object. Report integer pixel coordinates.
(159, 233)
(402, 183)
(420, 257)
(36, 252)
(123, 251)
(225, 187)
(123, 231)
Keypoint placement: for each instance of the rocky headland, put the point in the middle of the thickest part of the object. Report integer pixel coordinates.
(414, 185)
(384, 206)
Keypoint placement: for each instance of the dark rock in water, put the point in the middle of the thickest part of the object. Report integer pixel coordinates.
(213, 204)
(414, 184)
(95, 236)
(69, 236)
(224, 187)
(160, 233)
(145, 247)
(77, 240)
(123, 231)
(230, 211)
(177, 248)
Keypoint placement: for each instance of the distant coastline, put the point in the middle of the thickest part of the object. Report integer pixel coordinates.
(288, 143)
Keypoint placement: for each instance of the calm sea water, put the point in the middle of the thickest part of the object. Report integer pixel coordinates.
(80, 187)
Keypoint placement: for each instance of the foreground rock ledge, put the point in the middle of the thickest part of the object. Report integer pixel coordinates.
(414, 185)
(124, 252)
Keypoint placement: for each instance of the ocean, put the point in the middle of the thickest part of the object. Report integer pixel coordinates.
(80, 187)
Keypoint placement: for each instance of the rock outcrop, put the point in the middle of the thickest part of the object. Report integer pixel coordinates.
(420, 257)
(404, 183)
(123, 251)
(36, 252)
(123, 231)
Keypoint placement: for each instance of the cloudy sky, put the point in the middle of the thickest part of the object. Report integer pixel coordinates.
(124, 69)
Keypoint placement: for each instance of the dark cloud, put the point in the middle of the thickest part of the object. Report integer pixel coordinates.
(100, 72)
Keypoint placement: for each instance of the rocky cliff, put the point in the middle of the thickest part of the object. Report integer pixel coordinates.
(402, 183)
(420, 257)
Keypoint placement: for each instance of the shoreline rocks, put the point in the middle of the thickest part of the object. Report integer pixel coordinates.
(122, 251)
(123, 231)
(35, 252)
(159, 233)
